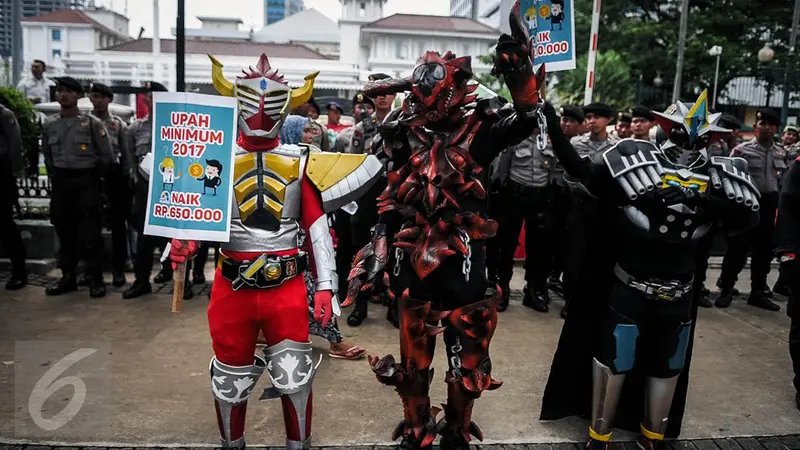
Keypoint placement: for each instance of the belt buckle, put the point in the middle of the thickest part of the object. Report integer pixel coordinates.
(272, 270)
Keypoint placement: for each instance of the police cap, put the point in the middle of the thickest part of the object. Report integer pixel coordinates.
(101, 89)
(599, 109)
(69, 83)
(730, 122)
(624, 117)
(573, 112)
(378, 76)
(334, 105)
(360, 97)
(643, 112)
(791, 129)
(154, 86)
(769, 116)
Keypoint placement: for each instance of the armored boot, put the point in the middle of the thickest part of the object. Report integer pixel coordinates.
(658, 401)
(232, 386)
(291, 369)
(469, 332)
(606, 389)
(412, 377)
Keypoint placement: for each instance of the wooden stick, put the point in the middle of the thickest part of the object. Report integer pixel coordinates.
(179, 280)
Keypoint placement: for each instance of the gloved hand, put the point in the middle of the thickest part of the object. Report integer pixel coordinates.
(323, 307)
(368, 275)
(181, 251)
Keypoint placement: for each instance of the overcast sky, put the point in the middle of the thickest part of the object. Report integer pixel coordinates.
(251, 12)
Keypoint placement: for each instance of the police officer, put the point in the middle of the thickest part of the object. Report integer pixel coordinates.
(140, 141)
(358, 138)
(622, 129)
(572, 118)
(791, 141)
(787, 240)
(77, 154)
(767, 162)
(11, 167)
(117, 183)
(527, 195)
(720, 148)
(642, 121)
(593, 143)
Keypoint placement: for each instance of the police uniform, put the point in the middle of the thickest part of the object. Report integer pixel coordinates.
(139, 139)
(766, 166)
(358, 138)
(77, 153)
(10, 167)
(117, 187)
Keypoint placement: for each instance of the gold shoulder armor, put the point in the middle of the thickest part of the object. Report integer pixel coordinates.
(342, 178)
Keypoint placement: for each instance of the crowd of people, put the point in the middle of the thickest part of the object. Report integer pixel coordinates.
(556, 185)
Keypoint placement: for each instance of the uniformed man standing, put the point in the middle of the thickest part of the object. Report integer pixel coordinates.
(791, 141)
(622, 129)
(11, 167)
(787, 242)
(642, 121)
(703, 252)
(77, 154)
(36, 86)
(767, 162)
(140, 140)
(357, 139)
(117, 183)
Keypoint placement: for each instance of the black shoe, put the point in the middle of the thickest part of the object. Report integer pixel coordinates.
(596, 445)
(725, 298)
(358, 314)
(118, 278)
(17, 282)
(97, 289)
(62, 286)
(84, 280)
(767, 292)
(733, 290)
(453, 441)
(199, 278)
(138, 289)
(539, 300)
(702, 299)
(760, 300)
(391, 315)
(162, 277)
(564, 311)
(504, 298)
(781, 289)
(410, 443)
(704, 291)
(188, 294)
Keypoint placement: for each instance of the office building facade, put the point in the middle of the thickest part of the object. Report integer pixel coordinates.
(276, 10)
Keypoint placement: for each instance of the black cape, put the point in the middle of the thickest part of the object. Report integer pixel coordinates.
(569, 387)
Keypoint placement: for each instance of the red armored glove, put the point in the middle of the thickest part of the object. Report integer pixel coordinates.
(181, 251)
(323, 307)
(368, 275)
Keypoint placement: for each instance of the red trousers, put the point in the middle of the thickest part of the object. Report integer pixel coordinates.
(235, 318)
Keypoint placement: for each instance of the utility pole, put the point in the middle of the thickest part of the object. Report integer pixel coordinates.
(789, 63)
(180, 47)
(676, 88)
(587, 93)
(16, 41)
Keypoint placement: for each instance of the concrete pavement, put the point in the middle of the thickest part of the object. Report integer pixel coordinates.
(148, 382)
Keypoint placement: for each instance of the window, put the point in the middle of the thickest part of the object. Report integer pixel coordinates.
(56, 52)
(401, 50)
(362, 9)
(56, 34)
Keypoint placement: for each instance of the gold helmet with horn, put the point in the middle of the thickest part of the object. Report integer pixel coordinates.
(264, 97)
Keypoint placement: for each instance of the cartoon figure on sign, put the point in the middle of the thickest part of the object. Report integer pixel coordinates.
(211, 178)
(530, 19)
(168, 176)
(557, 15)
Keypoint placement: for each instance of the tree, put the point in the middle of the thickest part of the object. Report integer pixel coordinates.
(29, 127)
(645, 34)
(492, 82)
(613, 83)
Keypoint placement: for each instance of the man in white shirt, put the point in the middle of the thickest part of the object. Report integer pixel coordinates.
(36, 87)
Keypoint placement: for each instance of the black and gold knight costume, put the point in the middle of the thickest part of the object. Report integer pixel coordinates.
(658, 202)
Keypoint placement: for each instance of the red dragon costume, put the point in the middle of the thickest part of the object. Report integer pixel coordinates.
(433, 213)
(259, 285)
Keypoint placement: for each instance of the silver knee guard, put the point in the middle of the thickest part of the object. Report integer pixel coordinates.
(657, 403)
(606, 389)
(291, 370)
(232, 386)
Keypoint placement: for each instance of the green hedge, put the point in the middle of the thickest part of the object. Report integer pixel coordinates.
(30, 128)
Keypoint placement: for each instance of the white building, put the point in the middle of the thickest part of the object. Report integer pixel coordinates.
(393, 44)
(67, 33)
(217, 28)
(308, 27)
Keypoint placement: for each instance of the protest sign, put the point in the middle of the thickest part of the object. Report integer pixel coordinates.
(551, 24)
(192, 166)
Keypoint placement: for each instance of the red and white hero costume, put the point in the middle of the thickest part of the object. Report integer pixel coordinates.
(259, 285)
